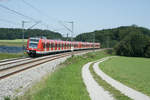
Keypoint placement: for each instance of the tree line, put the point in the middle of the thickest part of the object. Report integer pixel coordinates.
(15, 33)
(126, 40)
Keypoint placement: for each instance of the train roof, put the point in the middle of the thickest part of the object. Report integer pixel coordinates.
(74, 42)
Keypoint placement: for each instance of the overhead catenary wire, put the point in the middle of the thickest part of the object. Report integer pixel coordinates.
(39, 11)
(65, 26)
(43, 13)
(18, 13)
(32, 6)
(28, 17)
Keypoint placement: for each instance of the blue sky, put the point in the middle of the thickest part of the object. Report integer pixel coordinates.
(88, 15)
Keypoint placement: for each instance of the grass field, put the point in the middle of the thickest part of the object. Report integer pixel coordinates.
(17, 42)
(9, 55)
(65, 83)
(133, 72)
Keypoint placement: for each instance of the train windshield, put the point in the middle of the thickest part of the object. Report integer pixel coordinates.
(34, 40)
(33, 45)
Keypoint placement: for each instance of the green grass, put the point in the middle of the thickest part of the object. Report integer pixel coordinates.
(7, 98)
(65, 83)
(133, 72)
(9, 55)
(17, 42)
(115, 93)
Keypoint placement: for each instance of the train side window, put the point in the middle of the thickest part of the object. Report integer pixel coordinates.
(43, 45)
(60, 45)
(65, 45)
(50, 45)
(47, 45)
(57, 45)
(53, 45)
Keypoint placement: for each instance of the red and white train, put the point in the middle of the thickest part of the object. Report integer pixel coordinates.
(42, 46)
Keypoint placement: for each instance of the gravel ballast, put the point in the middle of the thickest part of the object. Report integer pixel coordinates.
(18, 83)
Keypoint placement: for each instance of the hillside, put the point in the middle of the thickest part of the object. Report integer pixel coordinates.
(14, 33)
(110, 37)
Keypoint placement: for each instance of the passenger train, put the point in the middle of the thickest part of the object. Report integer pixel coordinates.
(42, 46)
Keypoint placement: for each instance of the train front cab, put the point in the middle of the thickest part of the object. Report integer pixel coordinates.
(32, 46)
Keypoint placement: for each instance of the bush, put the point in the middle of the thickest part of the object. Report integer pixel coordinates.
(147, 52)
(110, 51)
(7, 98)
(135, 45)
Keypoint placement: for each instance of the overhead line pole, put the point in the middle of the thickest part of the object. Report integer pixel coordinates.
(23, 22)
(23, 31)
(72, 48)
(94, 42)
(72, 32)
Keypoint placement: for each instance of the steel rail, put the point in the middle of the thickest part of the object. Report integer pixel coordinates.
(31, 66)
(27, 66)
(8, 62)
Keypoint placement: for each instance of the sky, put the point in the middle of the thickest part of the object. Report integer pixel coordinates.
(87, 15)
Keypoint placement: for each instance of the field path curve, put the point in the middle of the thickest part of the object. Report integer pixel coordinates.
(95, 91)
(121, 87)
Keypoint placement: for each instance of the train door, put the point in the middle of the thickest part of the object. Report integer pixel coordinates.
(59, 45)
(44, 46)
(56, 45)
(65, 45)
(50, 45)
(47, 46)
(79, 45)
(71, 46)
(53, 45)
(62, 43)
(68, 45)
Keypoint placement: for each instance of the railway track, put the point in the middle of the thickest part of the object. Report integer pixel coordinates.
(11, 61)
(11, 70)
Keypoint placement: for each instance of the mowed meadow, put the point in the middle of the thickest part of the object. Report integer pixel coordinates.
(16, 42)
(131, 71)
(10, 55)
